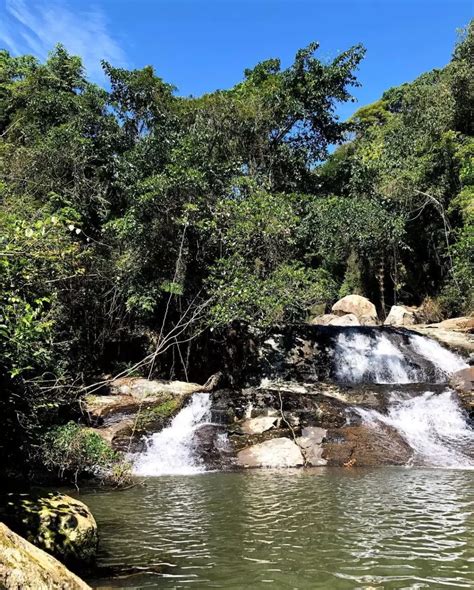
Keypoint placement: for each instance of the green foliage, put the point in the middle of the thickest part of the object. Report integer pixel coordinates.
(121, 210)
(74, 450)
(284, 295)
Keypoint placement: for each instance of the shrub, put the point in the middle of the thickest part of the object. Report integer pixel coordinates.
(74, 451)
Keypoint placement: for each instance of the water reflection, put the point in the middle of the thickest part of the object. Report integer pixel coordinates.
(389, 528)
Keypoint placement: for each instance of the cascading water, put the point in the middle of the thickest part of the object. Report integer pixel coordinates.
(360, 358)
(170, 452)
(433, 425)
(375, 358)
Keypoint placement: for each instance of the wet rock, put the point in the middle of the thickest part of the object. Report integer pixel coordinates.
(455, 333)
(278, 452)
(258, 425)
(361, 307)
(365, 446)
(136, 407)
(128, 394)
(24, 566)
(212, 447)
(310, 443)
(463, 383)
(400, 316)
(57, 523)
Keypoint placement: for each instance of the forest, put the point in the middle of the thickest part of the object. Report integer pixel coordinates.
(135, 218)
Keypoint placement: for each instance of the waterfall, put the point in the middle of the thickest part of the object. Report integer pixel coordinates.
(445, 361)
(376, 358)
(170, 452)
(433, 425)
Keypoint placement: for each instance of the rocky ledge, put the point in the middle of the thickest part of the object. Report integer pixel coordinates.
(292, 425)
(131, 407)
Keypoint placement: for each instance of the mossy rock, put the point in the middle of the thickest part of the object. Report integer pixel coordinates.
(57, 523)
(156, 417)
(23, 566)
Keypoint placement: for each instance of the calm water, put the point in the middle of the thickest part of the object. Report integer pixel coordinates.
(331, 529)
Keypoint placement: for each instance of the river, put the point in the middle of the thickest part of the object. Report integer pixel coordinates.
(325, 528)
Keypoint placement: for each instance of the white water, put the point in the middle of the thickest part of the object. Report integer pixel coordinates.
(362, 358)
(433, 425)
(170, 452)
(445, 361)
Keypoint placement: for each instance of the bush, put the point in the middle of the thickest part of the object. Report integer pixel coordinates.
(74, 451)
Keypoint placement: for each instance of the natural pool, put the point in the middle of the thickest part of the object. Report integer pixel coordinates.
(297, 529)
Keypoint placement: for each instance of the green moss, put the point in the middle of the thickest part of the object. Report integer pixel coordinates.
(158, 414)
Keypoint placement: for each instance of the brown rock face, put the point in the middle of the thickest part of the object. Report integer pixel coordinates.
(365, 446)
(361, 307)
(24, 566)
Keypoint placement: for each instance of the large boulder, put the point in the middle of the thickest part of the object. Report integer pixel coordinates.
(366, 446)
(361, 307)
(400, 316)
(278, 452)
(26, 567)
(57, 523)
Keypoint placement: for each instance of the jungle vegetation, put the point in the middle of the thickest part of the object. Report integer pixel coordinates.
(132, 211)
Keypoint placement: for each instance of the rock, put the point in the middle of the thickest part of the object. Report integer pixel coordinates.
(135, 407)
(455, 333)
(463, 383)
(360, 306)
(26, 567)
(345, 320)
(310, 445)
(59, 524)
(400, 316)
(128, 394)
(366, 445)
(258, 425)
(463, 380)
(315, 310)
(462, 324)
(212, 448)
(278, 452)
(323, 320)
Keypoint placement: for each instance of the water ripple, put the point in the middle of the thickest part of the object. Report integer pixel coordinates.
(324, 529)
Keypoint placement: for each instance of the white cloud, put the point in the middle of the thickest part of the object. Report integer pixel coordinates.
(37, 26)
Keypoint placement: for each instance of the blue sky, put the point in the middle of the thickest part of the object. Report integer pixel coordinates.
(201, 45)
